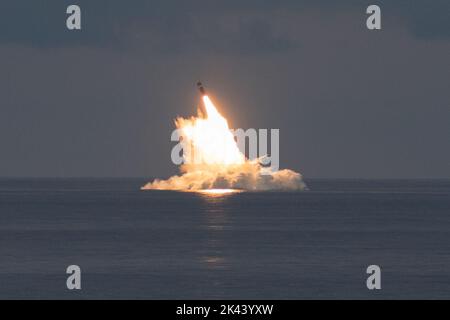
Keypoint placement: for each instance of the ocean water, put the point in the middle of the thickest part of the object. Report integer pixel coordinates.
(133, 244)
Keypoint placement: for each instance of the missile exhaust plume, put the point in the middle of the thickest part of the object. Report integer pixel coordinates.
(217, 162)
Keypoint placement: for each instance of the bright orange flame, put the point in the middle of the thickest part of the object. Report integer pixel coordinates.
(211, 139)
(213, 163)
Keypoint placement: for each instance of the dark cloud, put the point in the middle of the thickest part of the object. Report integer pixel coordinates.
(158, 26)
(179, 26)
(430, 19)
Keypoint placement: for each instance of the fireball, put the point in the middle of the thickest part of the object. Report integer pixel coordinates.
(213, 162)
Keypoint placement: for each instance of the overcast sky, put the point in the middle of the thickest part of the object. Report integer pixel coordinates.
(349, 102)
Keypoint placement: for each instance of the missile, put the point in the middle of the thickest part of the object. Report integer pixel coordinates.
(201, 88)
(203, 93)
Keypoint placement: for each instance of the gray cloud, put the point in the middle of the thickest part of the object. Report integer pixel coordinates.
(179, 26)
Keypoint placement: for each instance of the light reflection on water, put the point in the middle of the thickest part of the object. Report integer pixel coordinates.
(216, 220)
(218, 192)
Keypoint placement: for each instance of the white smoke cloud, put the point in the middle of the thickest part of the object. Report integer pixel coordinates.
(247, 176)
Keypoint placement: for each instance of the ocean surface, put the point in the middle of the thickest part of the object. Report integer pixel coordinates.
(133, 244)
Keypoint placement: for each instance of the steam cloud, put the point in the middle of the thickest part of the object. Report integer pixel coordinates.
(247, 176)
